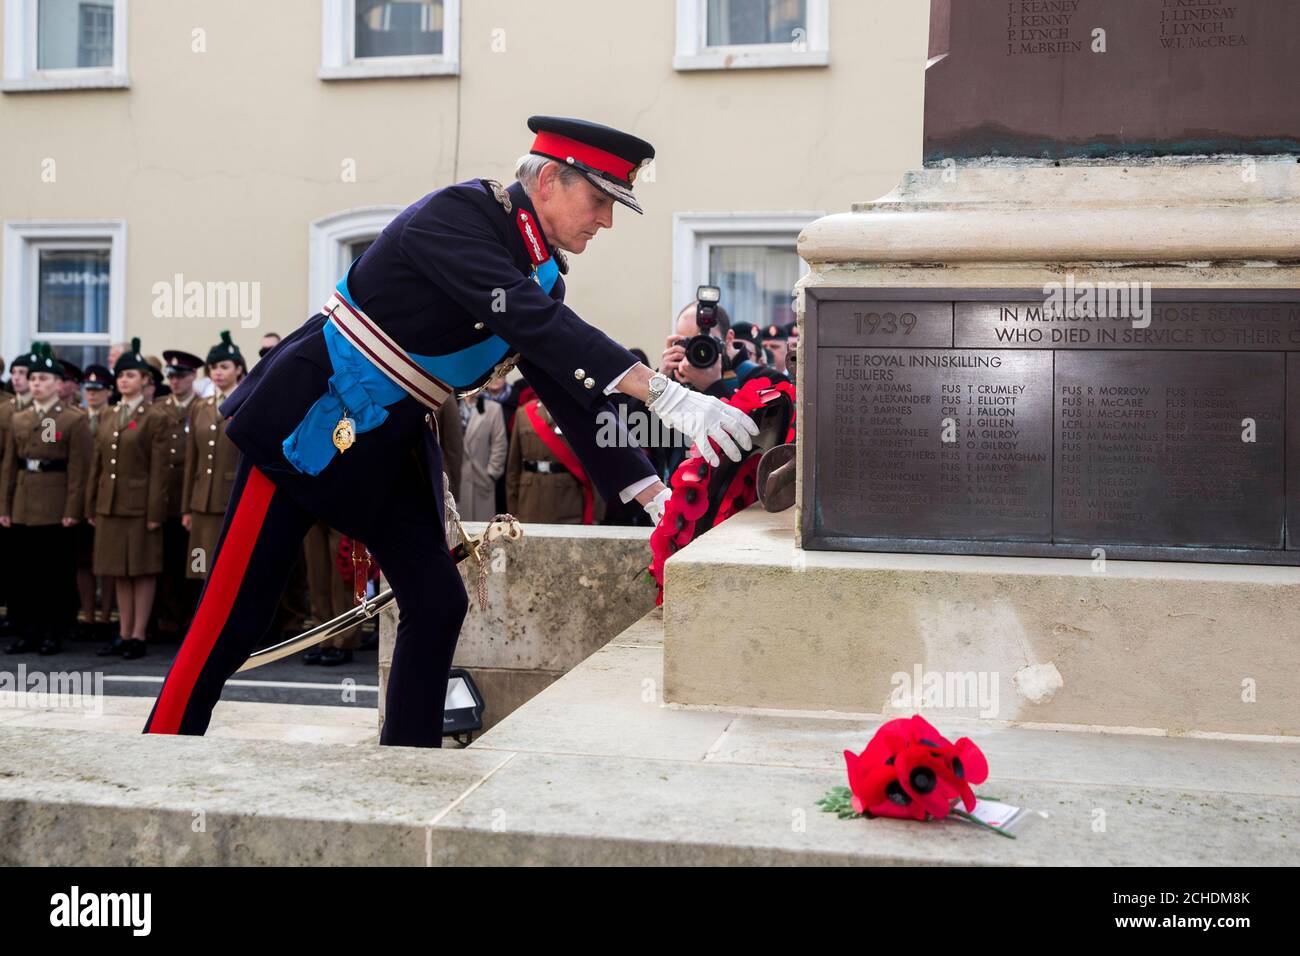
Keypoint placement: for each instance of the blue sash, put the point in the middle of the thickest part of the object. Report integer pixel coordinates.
(363, 393)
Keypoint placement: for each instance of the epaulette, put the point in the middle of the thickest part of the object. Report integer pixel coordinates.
(501, 195)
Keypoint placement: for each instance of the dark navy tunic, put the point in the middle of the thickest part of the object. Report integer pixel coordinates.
(449, 261)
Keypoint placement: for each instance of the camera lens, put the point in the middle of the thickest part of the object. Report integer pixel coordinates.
(702, 351)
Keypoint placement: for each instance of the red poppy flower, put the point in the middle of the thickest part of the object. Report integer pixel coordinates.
(910, 770)
(131, 423)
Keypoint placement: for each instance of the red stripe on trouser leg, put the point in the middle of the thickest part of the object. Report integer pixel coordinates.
(218, 598)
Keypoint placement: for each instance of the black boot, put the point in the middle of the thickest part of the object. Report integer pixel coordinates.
(334, 656)
(311, 656)
(132, 650)
(24, 645)
(51, 645)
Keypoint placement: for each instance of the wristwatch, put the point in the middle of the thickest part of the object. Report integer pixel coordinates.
(658, 384)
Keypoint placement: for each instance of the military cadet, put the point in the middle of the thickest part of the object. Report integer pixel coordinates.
(210, 459)
(126, 494)
(177, 590)
(334, 424)
(10, 404)
(70, 384)
(97, 386)
(545, 481)
(42, 491)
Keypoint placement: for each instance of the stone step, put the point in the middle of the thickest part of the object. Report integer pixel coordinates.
(1141, 645)
(232, 719)
(598, 770)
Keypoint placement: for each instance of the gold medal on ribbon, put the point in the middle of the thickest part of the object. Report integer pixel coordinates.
(345, 433)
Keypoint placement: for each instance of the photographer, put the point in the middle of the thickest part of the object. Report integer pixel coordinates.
(705, 356)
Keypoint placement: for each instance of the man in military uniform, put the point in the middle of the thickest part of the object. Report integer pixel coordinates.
(11, 402)
(334, 424)
(776, 338)
(545, 481)
(42, 489)
(177, 591)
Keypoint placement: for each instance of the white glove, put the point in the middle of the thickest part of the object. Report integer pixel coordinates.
(703, 417)
(655, 506)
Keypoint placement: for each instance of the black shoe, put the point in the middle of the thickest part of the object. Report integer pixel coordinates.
(311, 656)
(24, 645)
(333, 656)
(112, 649)
(133, 649)
(51, 645)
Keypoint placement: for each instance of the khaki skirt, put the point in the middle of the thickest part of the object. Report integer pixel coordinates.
(125, 548)
(205, 529)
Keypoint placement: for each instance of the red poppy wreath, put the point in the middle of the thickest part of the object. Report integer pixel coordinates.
(704, 496)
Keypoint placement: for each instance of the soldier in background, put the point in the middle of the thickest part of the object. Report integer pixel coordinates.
(178, 592)
(545, 481)
(42, 490)
(97, 388)
(210, 459)
(19, 397)
(126, 494)
(775, 339)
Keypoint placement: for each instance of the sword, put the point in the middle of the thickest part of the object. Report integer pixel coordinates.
(502, 526)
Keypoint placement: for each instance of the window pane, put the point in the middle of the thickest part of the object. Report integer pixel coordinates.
(73, 34)
(757, 282)
(398, 28)
(73, 287)
(81, 355)
(734, 22)
(357, 248)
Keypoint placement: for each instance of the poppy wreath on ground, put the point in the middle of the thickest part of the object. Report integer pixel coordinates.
(704, 496)
(912, 772)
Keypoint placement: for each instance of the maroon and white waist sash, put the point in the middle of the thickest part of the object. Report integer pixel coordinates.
(385, 354)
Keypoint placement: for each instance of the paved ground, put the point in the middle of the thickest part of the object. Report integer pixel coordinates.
(284, 682)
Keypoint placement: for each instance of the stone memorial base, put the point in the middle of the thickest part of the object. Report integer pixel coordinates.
(1165, 646)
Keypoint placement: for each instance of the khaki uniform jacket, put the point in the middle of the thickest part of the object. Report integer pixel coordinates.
(46, 497)
(178, 425)
(210, 460)
(128, 466)
(533, 496)
(8, 408)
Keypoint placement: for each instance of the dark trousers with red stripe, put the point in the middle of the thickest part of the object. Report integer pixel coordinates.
(260, 539)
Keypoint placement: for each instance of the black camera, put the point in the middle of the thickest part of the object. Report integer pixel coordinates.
(702, 350)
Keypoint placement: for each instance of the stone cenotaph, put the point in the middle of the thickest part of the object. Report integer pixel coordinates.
(1049, 395)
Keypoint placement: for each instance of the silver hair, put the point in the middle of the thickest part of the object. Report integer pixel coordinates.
(529, 168)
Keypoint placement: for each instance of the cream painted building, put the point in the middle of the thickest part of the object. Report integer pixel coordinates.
(242, 151)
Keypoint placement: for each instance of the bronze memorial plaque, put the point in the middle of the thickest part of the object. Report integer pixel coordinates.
(1094, 78)
(1007, 422)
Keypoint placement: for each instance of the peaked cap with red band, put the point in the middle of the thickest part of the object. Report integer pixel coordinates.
(610, 159)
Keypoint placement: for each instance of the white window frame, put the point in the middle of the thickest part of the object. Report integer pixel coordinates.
(22, 242)
(21, 73)
(694, 53)
(327, 242)
(696, 233)
(338, 27)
